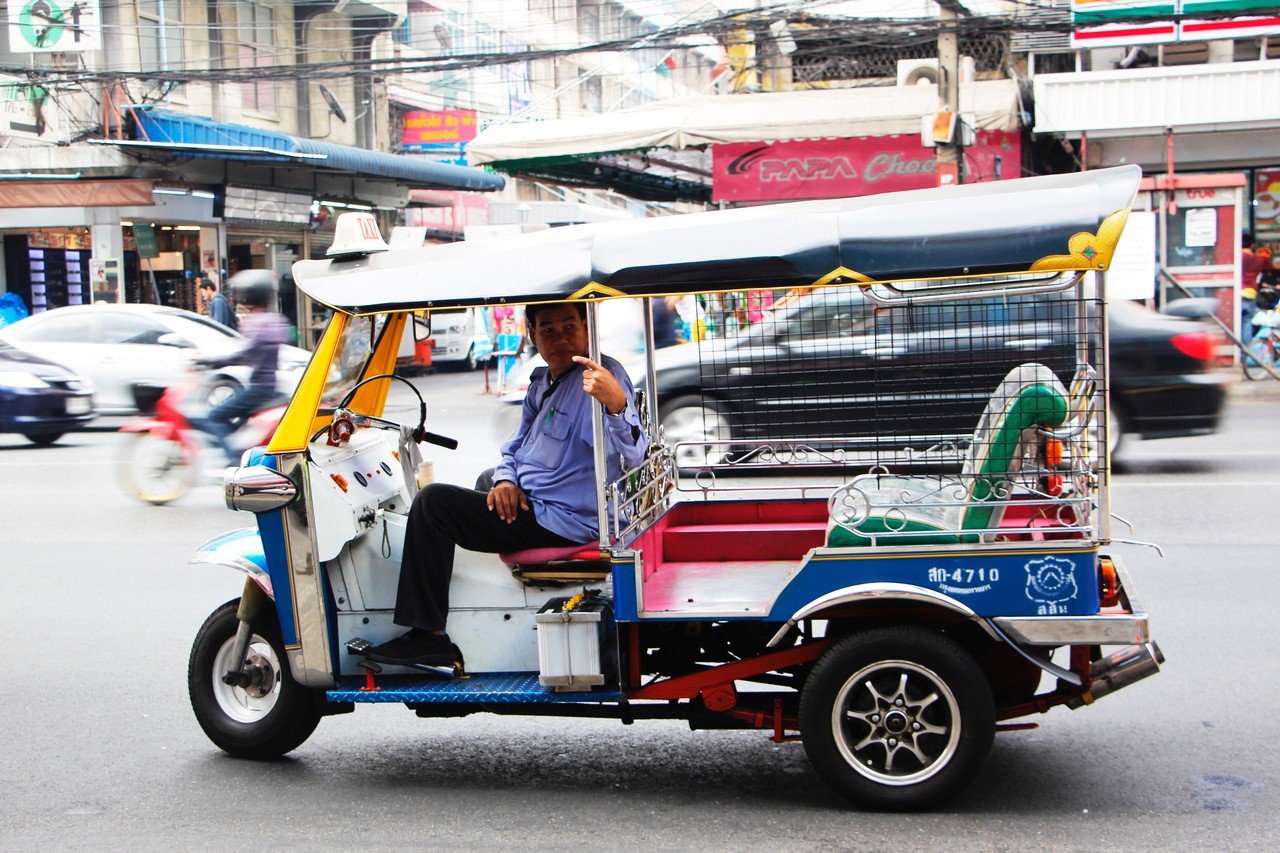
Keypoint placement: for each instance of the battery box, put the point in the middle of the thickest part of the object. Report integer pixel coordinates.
(575, 642)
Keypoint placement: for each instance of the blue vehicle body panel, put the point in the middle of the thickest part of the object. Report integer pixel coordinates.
(1003, 583)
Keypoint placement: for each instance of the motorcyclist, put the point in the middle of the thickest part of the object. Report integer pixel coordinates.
(266, 330)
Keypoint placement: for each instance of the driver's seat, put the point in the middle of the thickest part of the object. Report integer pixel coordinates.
(566, 564)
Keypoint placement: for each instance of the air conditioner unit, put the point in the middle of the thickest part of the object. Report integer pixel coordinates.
(924, 72)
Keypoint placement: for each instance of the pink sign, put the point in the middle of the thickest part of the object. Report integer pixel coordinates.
(834, 168)
(437, 127)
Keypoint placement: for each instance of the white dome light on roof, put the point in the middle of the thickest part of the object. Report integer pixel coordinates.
(356, 234)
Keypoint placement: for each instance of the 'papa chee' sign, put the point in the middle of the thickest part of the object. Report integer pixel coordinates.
(836, 168)
(431, 128)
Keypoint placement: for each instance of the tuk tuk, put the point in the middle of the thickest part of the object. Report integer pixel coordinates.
(891, 596)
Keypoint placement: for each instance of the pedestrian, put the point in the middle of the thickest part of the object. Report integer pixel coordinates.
(220, 310)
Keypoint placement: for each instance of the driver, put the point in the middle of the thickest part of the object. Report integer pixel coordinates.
(543, 492)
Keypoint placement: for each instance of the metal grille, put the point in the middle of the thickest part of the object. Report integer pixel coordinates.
(831, 375)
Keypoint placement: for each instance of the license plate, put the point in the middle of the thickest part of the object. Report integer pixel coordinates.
(78, 406)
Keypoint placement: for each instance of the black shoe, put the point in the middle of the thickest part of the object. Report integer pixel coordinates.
(416, 647)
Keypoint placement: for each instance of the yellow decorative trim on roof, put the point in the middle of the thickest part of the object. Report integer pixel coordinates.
(1088, 251)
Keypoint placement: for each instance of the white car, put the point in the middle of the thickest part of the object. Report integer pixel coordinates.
(119, 346)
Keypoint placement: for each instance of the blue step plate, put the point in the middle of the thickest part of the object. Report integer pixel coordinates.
(484, 687)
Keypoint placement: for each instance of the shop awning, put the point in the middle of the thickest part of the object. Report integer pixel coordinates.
(200, 136)
(597, 147)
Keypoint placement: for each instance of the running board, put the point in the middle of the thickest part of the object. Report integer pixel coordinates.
(482, 688)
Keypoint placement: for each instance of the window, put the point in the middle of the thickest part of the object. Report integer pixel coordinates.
(255, 32)
(159, 34)
(588, 20)
(128, 329)
(69, 329)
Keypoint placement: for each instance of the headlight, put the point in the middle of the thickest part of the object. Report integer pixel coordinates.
(20, 379)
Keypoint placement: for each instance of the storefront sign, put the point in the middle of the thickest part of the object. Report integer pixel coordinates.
(1125, 23)
(835, 168)
(104, 280)
(48, 26)
(426, 129)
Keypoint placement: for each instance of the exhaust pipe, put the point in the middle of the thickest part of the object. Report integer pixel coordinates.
(1120, 669)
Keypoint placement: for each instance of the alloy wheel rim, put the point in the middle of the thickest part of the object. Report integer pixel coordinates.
(896, 723)
(696, 424)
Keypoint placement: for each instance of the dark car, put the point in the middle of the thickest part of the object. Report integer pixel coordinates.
(40, 399)
(834, 366)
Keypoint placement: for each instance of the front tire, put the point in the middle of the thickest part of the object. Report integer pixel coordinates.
(155, 469)
(897, 718)
(42, 439)
(220, 391)
(270, 717)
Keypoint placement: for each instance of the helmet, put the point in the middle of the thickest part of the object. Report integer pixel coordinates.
(253, 287)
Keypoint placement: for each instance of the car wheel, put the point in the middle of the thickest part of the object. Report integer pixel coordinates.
(267, 718)
(897, 718)
(693, 419)
(221, 390)
(42, 439)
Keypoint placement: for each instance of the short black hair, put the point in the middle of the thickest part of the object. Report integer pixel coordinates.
(531, 311)
(206, 283)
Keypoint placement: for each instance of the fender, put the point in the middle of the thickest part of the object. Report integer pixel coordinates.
(164, 429)
(240, 550)
(868, 592)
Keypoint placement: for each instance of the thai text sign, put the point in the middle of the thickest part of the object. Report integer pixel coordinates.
(436, 128)
(835, 168)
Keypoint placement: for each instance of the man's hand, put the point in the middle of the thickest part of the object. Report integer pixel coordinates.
(506, 499)
(603, 385)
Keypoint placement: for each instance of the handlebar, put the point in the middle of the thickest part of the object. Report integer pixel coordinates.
(439, 440)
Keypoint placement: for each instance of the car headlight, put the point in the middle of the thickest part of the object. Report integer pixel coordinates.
(21, 379)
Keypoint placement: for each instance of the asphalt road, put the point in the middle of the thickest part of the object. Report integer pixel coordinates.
(99, 749)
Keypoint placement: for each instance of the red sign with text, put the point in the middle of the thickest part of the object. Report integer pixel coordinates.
(835, 168)
(430, 128)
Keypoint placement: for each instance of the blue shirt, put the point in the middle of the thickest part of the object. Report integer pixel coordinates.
(550, 456)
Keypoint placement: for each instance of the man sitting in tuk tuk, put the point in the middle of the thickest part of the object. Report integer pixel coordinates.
(543, 492)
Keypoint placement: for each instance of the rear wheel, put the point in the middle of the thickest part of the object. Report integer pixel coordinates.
(42, 439)
(897, 718)
(155, 469)
(693, 419)
(1261, 351)
(220, 390)
(266, 718)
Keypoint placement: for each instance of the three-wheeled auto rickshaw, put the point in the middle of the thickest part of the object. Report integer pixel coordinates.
(890, 595)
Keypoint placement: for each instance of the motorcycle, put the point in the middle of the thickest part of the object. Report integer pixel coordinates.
(162, 455)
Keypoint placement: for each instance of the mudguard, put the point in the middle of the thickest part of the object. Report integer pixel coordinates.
(240, 550)
(164, 429)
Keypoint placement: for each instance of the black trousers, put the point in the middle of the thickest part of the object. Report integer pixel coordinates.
(443, 517)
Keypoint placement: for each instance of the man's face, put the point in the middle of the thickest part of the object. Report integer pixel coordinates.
(559, 334)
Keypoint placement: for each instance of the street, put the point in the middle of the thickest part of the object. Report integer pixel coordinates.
(100, 748)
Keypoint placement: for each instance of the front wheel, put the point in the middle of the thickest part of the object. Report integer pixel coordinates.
(1261, 351)
(155, 469)
(897, 718)
(266, 718)
(42, 439)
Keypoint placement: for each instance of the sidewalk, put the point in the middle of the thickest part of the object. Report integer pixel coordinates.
(1258, 390)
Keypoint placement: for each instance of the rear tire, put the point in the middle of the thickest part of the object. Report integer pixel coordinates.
(694, 419)
(273, 716)
(42, 439)
(897, 718)
(154, 469)
(220, 390)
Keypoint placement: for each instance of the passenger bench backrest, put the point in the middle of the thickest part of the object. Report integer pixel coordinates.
(1029, 397)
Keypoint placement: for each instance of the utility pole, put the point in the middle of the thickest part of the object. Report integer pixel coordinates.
(947, 131)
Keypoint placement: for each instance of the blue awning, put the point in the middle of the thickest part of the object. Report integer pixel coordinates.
(201, 136)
